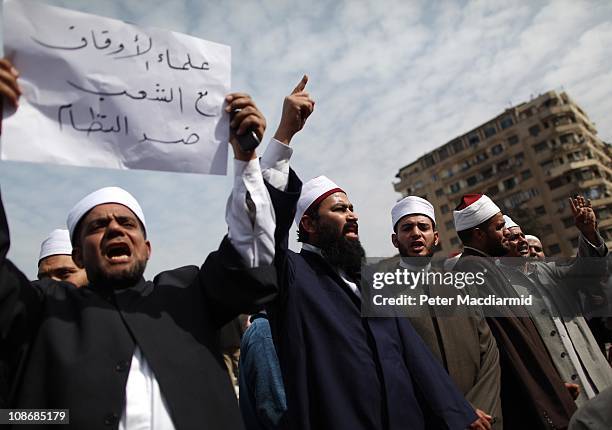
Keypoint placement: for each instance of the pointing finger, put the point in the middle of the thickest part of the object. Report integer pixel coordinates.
(301, 85)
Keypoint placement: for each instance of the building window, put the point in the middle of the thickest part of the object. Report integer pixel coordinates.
(503, 165)
(526, 174)
(457, 146)
(449, 225)
(482, 157)
(513, 140)
(509, 183)
(568, 221)
(539, 147)
(497, 149)
(489, 130)
(534, 130)
(492, 190)
(547, 164)
(603, 213)
(487, 173)
(518, 158)
(556, 183)
(540, 210)
(443, 153)
(547, 229)
(473, 138)
(472, 180)
(439, 192)
(429, 160)
(554, 249)
(454, 241)
(454, 188)
(565, 138)
(444, 209)
(506, 122)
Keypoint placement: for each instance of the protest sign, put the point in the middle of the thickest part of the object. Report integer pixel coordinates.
(104, 93)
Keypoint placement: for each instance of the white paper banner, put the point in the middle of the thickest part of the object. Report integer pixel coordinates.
(103, 93)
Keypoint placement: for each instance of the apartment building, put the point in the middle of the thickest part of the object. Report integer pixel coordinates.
(529, 160)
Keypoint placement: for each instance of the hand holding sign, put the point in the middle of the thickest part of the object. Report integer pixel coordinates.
(247, 118)
(9, 88)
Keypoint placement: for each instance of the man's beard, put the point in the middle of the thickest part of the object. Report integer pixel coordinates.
(497, 249)
(340, 252)
(123, 279)
(416, 260)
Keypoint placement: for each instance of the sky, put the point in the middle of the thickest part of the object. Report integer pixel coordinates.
(392, 80)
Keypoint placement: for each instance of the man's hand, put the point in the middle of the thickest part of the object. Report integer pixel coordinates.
(584, 218)
(297, 107)
(483, 422)
(248, 118)
(574, 389)
(9, 88)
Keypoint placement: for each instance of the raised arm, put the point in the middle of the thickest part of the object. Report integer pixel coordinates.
(586, 222)
(239, 277)
(249, 213)
(297, 107)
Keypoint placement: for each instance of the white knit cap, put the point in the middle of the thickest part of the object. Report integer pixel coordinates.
(411, 205)
(509, 222)
(532, 237)
(57, 243)
(100, 197)
(473, 210)
(313, 193)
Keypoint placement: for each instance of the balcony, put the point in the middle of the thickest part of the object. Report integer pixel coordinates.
(592, 182)
(601, 202)
(564, 168)
(605, 223)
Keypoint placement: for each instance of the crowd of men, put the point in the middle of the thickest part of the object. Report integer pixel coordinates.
(93, 336)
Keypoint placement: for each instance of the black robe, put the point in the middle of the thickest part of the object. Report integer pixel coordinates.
(72, 348)
(342, 371)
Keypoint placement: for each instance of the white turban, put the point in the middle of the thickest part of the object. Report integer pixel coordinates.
(100, 197)
(314, 192)
(532, 237)
(473, 210)
(57, 243)
(409, 206)
(509, 222)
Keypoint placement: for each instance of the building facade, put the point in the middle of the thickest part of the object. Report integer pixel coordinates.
(529, 160)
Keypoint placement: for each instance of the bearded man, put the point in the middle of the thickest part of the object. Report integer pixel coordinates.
(341, 370)
(557, 313)
(533, 394)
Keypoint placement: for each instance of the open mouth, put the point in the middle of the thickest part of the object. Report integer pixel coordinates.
(417, 245)
(118, 252)
(351, 230)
